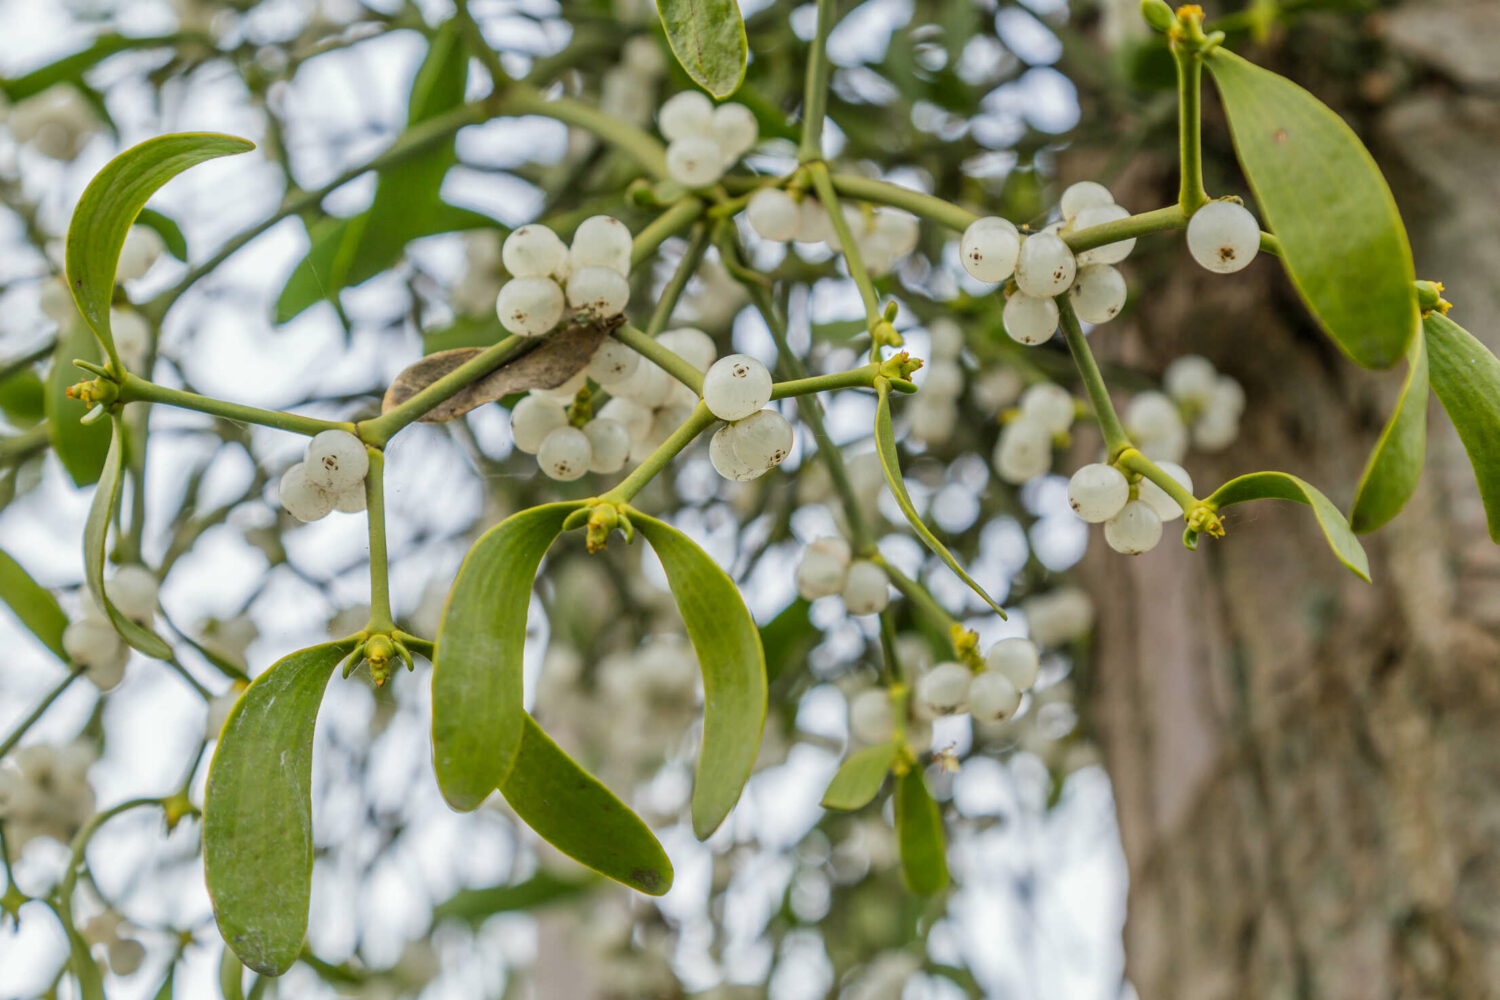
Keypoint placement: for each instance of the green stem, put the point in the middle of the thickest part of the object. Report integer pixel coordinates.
(695, 424)
(665, 358)
(17, 446)
(916, 593)
(1115, 438)
(670, 295)
(36, 713)
(134, 389)
(475, 40)
(666, 224)
(521, 99)
(81, 843)
(854, 378)
(379, 430)
(847, 245)
(1133, 461)
(380, 579)
(922, 205)
(815, 88)
(1191, 195)
(1156, 221)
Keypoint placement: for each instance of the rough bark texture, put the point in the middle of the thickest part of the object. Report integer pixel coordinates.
(1307, 767)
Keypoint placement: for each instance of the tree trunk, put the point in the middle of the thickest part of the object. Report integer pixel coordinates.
(1306, 766)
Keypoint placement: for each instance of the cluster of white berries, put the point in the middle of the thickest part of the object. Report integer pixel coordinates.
(993, 250)
(828, 568)
(704, 141)
(1044, 412)
(541, 425)
(884, 236)
(991, 695)
(548, 277)
(125, 954)
(56, 123)
(330, 477)
(934, 412)
(644, 397)
(45, 792)
(1132, 513)
(1058, 616)
(1211, 403)
(92, 642)
(1223, 236)
(754, 439)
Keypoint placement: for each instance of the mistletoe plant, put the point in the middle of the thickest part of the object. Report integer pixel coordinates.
(590, 392)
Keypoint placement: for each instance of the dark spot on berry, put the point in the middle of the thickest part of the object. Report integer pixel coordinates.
(1226, 253)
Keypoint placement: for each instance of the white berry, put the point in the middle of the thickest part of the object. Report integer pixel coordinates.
(813, 223)
(1050, 405)
(736, 386)
(725, 459)
(565, 454)
(609, 444)
(823, 569)
(944, 689)
(1109, 253)
(1030, 319)
(532, 419)
(1215, 431)
(1084, 194)
(1223, 237)
(351, 501)
(694, 161)
(336, 460)
(1045, 265)
(529, 306)
(993, 697)
(612, 363)
(1098, 293)
(141, 249)
(989, 249)
(533, 251)
(1190, 379)
(866, 588)
(871, 717)
(691, 345)
(685, 114)
(900, 230)
(132, 336)
(1017, 660)
(601, 241)
(598, 292)
(763, 439)
(1152, 416)
(1157, 499)
(773, 214)
(132, 590)
(1023, 452)
(302, 498)
(1097, 492)
(635, 418)
(1134, 530)
(734, 129)
(94, 644)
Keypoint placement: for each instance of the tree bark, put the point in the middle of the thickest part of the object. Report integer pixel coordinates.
(1307, 767)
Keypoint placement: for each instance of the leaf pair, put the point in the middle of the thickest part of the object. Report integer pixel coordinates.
(919, 821)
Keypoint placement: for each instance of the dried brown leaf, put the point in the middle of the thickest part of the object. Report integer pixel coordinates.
(552, 361)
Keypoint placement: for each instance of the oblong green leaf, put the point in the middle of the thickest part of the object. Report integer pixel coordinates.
(1321, 194)
(1395, 466)
(1281, 486)
(734, 669)
(1466, 380)
(257, 810)
(80, 447)
(859, 778)
(81, 961)
(33, 604)
(109, 207)
(96, 540)
(708, 39)
(919, 833)
(573, 811)
(890, 463)
(477, 718)
(170, 232)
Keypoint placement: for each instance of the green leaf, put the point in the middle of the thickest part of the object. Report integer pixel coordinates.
(33, 605)
(96, 541)
(257, 810)
(477, 905)
(1324, 198)
(1281, 486)
(109, 206)
(890, 462)
(231, 976)
(23, 398)
(72, 67)
(81, 961)
(170, 233)
(477, 718)
(1466, 379)
(787, 638)
(1395, 466)
(708, 39)
(919, 832)
(165, 992)
(575, 813)
(80, 447)
(859, 778)
(734, 669)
